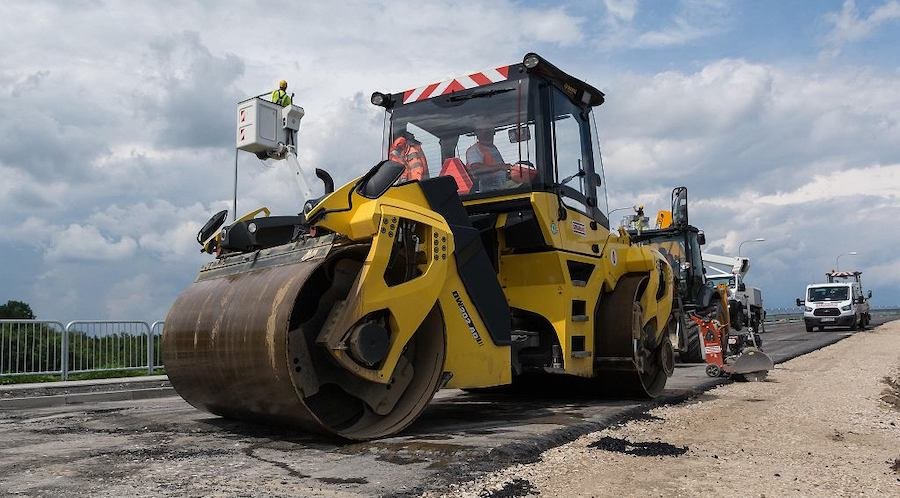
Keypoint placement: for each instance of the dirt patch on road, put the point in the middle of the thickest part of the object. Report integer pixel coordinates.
(827, 423)
(891, 394)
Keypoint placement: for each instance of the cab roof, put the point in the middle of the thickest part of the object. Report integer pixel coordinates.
(577, 90)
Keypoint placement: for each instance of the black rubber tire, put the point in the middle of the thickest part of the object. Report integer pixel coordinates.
(855, 325)
(809, 328)
(691, 352)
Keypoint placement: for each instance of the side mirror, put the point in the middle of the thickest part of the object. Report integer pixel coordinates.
(520, 134)
(213, 224)
(861, 300)
(869, 294)
(800, 303)
(679, 207)
(701, 238)
(743, 287)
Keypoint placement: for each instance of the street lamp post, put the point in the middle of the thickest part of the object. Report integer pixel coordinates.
(837, 260)
(758, 239)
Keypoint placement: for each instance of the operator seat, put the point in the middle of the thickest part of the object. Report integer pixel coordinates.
(455, 168)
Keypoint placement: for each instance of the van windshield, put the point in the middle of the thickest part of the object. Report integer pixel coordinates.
(716, 281)
(828, 294)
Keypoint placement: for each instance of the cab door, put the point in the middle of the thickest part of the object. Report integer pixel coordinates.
(583, 223)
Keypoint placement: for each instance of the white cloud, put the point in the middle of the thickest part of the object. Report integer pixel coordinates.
(680, 32)
(120, 146)
(693, 20)
(848, 26)
(550, 26)
(879, 181)
(621, 10)
(733, 123)
(86, 243)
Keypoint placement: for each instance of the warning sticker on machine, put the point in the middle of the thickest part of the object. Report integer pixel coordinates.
(579, 228)
(467, 318)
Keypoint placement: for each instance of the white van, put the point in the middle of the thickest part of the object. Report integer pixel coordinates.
(835, 304)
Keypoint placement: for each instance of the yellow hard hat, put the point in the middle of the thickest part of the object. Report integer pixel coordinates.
(282, 84)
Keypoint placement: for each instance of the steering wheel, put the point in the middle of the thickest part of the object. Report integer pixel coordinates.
(522, 172)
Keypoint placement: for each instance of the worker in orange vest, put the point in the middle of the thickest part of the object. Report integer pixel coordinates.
(407, 151)
(484, 162)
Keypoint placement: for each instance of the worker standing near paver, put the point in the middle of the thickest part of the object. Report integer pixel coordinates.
(281, 96)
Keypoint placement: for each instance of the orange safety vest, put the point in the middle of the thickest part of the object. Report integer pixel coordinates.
(487, 154)
(410, 154)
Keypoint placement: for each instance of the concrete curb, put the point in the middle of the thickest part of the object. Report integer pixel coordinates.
(73, 384)
(78, 398)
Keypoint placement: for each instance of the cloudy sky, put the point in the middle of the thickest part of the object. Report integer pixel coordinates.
(116, 143)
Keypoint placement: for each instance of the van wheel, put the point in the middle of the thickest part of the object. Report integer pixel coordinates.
(809, 328)
(855, 324)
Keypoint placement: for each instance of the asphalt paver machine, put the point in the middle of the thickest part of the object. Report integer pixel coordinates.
(707, 327)
(494, 268)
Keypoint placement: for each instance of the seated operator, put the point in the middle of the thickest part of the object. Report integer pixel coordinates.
(484, 162)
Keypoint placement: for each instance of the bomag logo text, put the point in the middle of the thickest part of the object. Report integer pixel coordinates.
(467, 318)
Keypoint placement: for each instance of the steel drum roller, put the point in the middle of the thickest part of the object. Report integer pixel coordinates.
(240, 342)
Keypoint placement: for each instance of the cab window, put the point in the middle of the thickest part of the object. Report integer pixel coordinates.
(569, 142)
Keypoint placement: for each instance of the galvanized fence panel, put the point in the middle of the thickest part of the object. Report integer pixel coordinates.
(98, 345)
(31, 347)
(156, 331)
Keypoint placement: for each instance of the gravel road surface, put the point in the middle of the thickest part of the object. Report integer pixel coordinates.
(824, 424)
(165, 447)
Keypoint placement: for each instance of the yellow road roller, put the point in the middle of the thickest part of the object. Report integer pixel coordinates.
(477, 253)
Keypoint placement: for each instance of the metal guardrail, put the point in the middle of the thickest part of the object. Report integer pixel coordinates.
(35, 347)
(156, 331)
(31, 347)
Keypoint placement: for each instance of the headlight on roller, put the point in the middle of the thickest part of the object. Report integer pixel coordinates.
(846, 308)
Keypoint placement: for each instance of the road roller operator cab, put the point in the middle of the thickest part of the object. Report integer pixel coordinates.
(477, 253)
(508, 130)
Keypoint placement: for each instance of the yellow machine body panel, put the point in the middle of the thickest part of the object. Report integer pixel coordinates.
(471, 360)
(541, 282)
